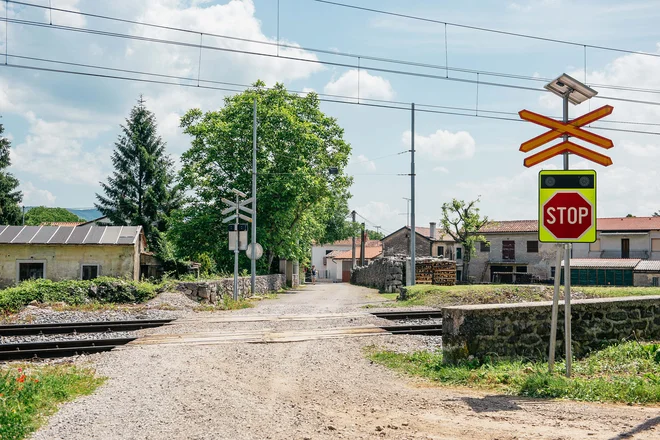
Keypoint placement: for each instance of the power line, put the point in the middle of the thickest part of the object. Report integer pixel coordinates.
(483, 29)
(311, 49)
(227, 89)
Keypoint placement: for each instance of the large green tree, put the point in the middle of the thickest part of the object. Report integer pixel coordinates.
(10, 196)
(462, 221)
(141, 190)
(299, 200)
(42, 214)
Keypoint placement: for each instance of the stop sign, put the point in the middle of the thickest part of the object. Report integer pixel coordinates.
(567, 215)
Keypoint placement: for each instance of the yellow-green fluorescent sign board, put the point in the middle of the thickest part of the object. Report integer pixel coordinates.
(567, 206)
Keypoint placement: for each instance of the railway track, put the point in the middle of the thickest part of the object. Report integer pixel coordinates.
(410, 314)
(415, 329)
(63, 348)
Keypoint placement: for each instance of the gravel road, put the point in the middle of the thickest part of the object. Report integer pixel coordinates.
(311, 389)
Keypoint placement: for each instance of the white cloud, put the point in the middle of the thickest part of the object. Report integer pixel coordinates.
(65, 18)
(364, 162)
(33, 196)
(441, 170)
(382, 213)
(443, 144)
(371, 86)
(54, 151)
(640, 150)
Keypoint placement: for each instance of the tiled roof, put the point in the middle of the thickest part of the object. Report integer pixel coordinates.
(648, 266)
(597, 263)
(65, 235)
(604, 224)
(335, 253)
(349, 242)
(369, 253)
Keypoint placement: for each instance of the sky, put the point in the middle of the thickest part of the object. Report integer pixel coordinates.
(63, 126)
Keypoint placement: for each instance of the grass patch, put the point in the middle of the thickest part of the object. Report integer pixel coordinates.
(224, 305)
(624, 373)
(439, 296)
(30, 393)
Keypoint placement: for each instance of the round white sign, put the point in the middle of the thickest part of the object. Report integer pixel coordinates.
(258, 252)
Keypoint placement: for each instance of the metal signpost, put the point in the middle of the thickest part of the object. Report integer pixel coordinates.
(567, 199)
(239, 241)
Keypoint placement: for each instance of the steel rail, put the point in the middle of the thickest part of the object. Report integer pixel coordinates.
(53, 349)
(79, 327)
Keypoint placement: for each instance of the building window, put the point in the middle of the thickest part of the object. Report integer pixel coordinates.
(459, 253)
(655, 244)
(508, 250)
(89, 271)
(441, 251)
(552, 272)
(328, 251)
(533, 246)
(459, 275)
(484, 246)
(31, 270)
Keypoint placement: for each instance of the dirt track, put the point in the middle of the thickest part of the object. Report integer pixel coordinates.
(309, 389)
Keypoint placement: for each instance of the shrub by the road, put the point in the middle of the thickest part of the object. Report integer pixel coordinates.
(76, 292)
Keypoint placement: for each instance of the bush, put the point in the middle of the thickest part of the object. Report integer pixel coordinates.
(76, 292)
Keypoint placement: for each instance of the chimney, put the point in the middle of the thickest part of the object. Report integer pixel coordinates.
(432, 230)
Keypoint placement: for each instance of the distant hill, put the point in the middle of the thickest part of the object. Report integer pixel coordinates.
(87, 214)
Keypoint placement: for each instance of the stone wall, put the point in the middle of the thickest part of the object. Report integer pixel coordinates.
(384, 274)
(512, 330)
(399, 243)
(213, 291)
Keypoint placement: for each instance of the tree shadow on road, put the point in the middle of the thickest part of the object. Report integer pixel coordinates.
(497, 403)
(646, 426)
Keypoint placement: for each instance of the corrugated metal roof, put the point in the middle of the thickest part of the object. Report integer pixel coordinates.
(648, 266)
(598, 263)
(123, 235)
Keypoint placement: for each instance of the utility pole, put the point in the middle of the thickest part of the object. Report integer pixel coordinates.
(378, 229)
(412, 196)
(253, 263)
(353, 247)
(362, 245)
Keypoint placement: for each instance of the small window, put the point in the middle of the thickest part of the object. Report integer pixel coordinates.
(459, 275)
(441, 251)
(30, 271)
(533, 246)
(459, 253)
(484, 246)
(328, 251)
(552, 272)
(90, 271)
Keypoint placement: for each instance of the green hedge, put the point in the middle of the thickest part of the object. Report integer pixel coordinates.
(76, 292)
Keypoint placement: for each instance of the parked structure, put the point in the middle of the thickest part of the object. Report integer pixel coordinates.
(323, 254)
(60, 252)
(513, 249)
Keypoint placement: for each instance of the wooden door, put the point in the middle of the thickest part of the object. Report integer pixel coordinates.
(625, 248)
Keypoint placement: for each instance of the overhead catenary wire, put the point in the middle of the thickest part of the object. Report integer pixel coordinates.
(278, 44)
(330, 100)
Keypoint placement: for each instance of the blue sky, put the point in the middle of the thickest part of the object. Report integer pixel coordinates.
(63, 126)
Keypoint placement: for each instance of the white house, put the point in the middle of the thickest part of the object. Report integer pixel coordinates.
(322, 256)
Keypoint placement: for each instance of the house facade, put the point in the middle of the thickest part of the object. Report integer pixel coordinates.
(343, 260)
(513, 248)
(322, 256)
(62, 252)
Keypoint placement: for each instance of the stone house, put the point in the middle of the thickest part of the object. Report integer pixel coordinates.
(62, 252)
(513, 249)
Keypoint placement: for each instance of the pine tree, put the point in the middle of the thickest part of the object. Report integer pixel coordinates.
(141, 190)
(10, 196)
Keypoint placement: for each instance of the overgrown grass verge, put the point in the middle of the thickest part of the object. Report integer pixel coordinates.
(102, 290)
(225, 304)
(30, 393)
(625, 373)
(438, 296)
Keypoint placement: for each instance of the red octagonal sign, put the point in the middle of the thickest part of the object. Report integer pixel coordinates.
(567, 215)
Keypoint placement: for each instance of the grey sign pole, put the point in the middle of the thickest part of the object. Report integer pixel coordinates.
(555, 309)
(236, 251)
(567, 267)
(253, 264)
(353, 243)
(412, 196)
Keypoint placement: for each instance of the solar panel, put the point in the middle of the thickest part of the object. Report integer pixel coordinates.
(9, 233)
(26, 234)
(79, 234)
(128, 234)
(44, 235)
(111, 235)
(95, 234)
(61, 235)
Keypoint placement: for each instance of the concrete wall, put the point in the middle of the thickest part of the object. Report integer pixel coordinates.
(384, 274)
(644, 279)
(217, 290)
(538, 263)
(63, 262)
(512, 330)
